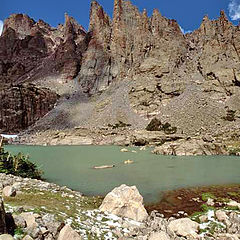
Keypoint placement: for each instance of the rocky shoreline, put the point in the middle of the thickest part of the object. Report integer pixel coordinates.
(165, 144)
(41, 210)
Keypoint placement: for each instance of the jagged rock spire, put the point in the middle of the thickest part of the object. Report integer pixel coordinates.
(20, 23)
(223, 15)
(98, 18)
(72, 29)
(117, 10)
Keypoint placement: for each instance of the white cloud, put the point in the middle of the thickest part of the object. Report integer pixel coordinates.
(234, 9)
(1, 27)
(183, 31)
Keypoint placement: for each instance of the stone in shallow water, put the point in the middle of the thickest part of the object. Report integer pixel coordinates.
(128, 162)
(125, 201)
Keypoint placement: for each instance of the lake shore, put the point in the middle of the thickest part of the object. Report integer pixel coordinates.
(191, 200)
(50, 206)
(165, 144)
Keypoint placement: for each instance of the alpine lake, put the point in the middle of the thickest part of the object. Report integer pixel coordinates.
(73, 166)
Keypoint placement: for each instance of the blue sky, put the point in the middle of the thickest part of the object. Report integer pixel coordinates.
(188, 13)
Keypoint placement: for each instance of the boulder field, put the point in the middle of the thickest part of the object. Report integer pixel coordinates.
(45, 211)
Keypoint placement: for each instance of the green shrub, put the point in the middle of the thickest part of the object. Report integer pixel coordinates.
(120, 124)
(230, 115)
(206, 208)
(156, 125)
(18, 165)
(168, 129)
(233, 151)
(18, 232)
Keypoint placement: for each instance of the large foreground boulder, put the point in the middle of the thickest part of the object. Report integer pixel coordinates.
(9, 191)
(67, 233)
(125, 201)
(3, 228)
(6, 237)
(159, 236)
(27, 237)
(184, 227)
(29, 219)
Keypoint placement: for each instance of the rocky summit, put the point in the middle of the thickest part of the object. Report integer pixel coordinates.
(121, 73)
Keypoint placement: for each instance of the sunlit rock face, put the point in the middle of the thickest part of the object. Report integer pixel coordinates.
(190, 80)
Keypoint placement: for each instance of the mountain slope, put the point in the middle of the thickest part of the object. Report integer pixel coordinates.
(128, 69)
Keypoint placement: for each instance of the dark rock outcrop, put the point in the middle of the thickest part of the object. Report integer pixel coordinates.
(3, 228)
(22, 105)
(18, 57)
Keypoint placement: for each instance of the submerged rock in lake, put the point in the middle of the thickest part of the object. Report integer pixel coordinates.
(128, 161)
(104, 166)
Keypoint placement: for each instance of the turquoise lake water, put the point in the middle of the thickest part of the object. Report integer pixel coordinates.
(72, 166)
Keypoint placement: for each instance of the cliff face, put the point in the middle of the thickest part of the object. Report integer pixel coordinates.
(95, 73)
(117, 48)
(22, 105)
(193, 78)
(30, 49)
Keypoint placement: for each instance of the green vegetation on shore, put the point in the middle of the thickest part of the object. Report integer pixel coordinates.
(18, 165)
(62, 204)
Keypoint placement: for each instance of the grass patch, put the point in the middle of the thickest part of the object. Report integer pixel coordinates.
(207, 195)
(206, 208)
(233, 194)
(58, 203)
(233, 145)
(213, 227)
(19, 233)
(196, 215)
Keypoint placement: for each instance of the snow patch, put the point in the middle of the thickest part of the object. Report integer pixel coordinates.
(7, 136)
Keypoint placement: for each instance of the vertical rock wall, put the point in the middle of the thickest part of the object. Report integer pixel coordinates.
(3, 228)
